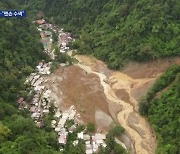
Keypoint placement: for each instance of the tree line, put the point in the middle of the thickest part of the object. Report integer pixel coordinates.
(162, 107)
(117, 31)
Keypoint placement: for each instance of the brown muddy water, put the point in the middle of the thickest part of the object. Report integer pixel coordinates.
(102, 96)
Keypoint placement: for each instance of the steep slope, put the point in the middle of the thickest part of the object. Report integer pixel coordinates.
(164, 116)
(163, 110)
(20, 51)
(119, 31)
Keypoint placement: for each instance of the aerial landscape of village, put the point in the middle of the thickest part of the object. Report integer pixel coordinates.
(74, 81)
(42, 100)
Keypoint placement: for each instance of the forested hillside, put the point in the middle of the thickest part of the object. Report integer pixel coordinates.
(20, 51)
(163, 110)
(118, 31)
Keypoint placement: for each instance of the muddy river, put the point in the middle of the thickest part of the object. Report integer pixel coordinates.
(137, 127)
(103, 96)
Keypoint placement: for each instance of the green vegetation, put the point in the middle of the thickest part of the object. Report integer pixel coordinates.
(165, 80)
(69, 123)
(54, 66)
(54, 36)
(112, 146)
(63, 58)
(117, 130)
(55, 40)
(18, 133)
(164, 111)
(78, 149)
(118, 31)
(91, 127)
(20, 51)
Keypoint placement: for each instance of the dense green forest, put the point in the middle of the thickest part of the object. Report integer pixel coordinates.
(20, 51)
(163, 110)
(117, 31)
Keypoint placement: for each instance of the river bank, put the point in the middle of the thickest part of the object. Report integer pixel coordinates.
(136, 126)
(102, 96)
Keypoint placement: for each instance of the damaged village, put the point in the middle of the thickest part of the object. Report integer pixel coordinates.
(42, 104)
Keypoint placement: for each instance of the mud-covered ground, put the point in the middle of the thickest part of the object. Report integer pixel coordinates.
(102, 96)
(73, 86)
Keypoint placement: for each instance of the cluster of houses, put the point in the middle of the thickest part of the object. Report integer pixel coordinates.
(59, 124)
(44, 68)
(22, 103)
(64, 38)
(35, 80)
(92, 142)
(41, 101)
(46, 38)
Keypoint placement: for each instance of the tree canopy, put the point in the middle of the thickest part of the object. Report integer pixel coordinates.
(118, 31)
(162, 107)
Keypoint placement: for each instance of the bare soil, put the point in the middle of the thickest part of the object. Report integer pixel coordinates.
(73, 86)
(149, 69)
(123, 95)
(116, 99)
